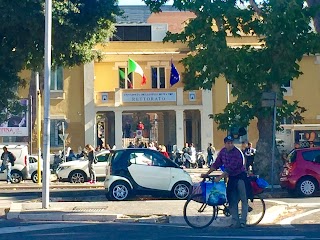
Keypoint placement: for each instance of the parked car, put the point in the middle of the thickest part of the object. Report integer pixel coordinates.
(141, 170)
(33, 167)
(77, 171)
(20, 170)
(301, 172)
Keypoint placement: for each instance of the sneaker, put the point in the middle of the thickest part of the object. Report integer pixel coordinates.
(90, 181)
(9, 182)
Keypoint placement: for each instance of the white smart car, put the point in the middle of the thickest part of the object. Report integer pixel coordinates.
(77, 171)
(142, 170)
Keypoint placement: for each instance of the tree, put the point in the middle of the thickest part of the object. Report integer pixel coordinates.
(78, 26)
(283, 31)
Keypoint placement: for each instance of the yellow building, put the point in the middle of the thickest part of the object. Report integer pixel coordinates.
(97, 99)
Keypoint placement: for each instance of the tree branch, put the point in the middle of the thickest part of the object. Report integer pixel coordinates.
(255, 7)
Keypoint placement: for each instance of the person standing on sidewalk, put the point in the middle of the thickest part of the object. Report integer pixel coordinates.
(8, 159)
(233, 160)
(91, 157)
(210, 153)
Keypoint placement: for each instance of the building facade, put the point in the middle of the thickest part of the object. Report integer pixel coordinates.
(101, 100)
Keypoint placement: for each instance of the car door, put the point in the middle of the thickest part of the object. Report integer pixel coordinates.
(149, 170)
(312, 163)
(100, 166)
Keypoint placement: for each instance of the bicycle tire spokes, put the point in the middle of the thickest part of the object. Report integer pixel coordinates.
(198, 214)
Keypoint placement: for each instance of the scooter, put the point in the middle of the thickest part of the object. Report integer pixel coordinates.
(200, 159)
(189, 162)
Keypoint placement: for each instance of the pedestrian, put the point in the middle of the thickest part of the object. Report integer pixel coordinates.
(91, 157)
(100, 142)
(249, 154)
(140, 126)
(8, 159)
(163, 150)
(127, 130)
(131, 145)
(238, 188)
(244, 145)
(210, 153)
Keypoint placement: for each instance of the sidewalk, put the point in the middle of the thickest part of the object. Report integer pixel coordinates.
(156, 211)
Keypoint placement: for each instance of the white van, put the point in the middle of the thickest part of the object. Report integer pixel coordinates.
(20, 170)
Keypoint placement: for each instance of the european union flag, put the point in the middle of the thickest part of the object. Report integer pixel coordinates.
(174, 75)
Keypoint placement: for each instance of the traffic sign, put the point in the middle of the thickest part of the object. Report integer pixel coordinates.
(139, 134)
(65, 136)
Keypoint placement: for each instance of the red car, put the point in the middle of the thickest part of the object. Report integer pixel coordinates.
(301, 173)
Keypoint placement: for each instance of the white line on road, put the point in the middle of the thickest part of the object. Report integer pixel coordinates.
(29, 228)
(287, 222)
(243, 237)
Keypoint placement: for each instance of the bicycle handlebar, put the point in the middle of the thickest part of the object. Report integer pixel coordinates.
(209, 177)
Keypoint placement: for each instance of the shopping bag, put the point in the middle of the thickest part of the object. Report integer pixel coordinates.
(255, 188)
(262, 183)
(214, 193)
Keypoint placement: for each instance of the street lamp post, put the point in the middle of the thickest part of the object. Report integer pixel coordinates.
(47, 79)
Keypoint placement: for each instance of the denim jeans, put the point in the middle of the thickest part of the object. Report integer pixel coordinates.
(8, 168)
(91, 171)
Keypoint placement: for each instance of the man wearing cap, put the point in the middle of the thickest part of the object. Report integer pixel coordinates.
(232, 159)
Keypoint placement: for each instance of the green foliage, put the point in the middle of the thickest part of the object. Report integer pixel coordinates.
(284, 34)
(77, 27)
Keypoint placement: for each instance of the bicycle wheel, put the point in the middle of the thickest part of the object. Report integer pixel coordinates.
(256, 210)
(198, 214)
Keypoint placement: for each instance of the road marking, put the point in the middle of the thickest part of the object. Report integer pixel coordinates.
(287, 222)
(244, 237)
(276, 201)
(29, 228)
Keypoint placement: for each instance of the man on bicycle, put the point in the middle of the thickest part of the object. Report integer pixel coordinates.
(232, 159)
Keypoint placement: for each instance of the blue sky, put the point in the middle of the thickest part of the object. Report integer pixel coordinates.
(135, 2)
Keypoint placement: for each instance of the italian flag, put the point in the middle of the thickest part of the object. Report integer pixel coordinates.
(134, 67)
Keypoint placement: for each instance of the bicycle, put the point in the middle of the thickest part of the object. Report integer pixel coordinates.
(199, 214)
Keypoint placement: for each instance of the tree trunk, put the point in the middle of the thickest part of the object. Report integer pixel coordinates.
(316, 19)
(263, 158)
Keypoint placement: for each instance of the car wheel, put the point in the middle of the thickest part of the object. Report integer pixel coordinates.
(181, 190)
(77, 177)
(16, 176)
(119, 191)
(34, 177)
(306, 186)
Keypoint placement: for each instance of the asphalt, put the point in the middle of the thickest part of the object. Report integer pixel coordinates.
(154, 211)
(142, 211)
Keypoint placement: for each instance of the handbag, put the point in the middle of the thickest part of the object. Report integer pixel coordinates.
(214, 193)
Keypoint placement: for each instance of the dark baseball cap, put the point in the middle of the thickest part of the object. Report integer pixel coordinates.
(228, 139)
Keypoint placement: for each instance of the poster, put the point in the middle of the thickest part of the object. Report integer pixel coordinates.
(16, 125)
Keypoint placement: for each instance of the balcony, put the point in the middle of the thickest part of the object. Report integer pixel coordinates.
(148, 97)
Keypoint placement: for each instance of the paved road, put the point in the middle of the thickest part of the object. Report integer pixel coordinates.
(114, 231)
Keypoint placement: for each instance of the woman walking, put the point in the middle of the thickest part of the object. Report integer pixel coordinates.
(91, 156)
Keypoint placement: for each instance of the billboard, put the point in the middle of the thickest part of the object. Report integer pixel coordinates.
(16, 125)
